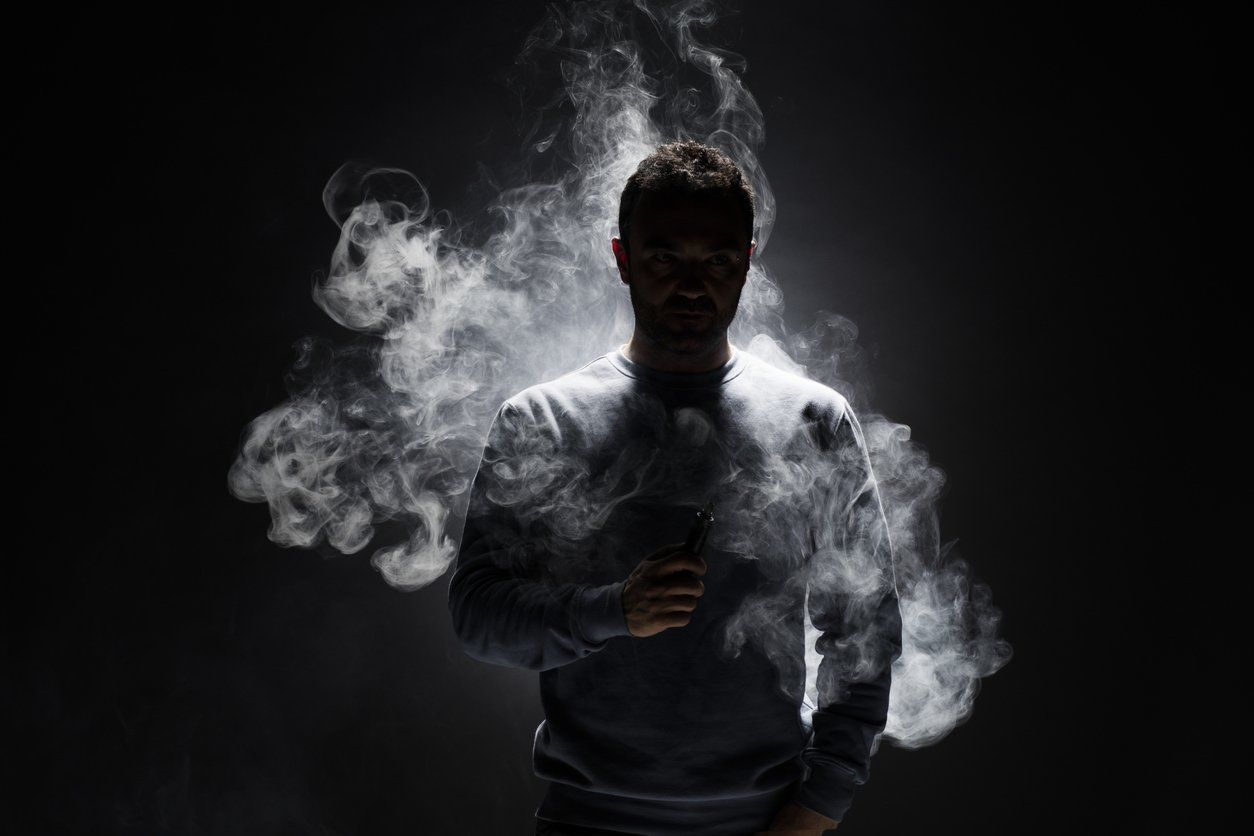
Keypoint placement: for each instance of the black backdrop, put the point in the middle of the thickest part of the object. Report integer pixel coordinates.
(995, 194)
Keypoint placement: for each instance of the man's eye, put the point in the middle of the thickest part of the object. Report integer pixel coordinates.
(720, 260)
(665, 258)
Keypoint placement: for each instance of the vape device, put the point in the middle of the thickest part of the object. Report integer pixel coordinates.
(700, 530)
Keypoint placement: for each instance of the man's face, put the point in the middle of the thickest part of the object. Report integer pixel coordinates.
(686, 255)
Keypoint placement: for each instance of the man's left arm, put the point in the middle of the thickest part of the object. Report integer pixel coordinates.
(852, 600)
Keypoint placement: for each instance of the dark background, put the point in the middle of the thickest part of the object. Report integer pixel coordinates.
(1016, 205)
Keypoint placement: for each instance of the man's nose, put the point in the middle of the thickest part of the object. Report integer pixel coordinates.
(690, 282)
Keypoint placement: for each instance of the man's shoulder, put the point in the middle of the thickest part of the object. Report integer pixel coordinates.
(788, 387)
(561, 394)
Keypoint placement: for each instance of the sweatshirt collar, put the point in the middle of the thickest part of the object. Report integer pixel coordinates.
(679, 380)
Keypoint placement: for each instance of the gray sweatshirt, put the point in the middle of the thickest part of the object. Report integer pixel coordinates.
(702, 728)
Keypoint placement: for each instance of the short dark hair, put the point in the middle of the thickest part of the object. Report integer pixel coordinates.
(686, 167)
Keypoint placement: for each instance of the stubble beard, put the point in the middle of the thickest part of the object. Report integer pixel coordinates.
(690, 340)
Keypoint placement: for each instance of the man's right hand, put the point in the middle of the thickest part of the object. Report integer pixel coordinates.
(663, 590)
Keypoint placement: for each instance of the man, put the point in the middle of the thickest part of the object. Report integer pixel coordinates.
(671, 681)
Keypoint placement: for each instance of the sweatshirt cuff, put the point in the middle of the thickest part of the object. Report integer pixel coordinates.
(601, 615)
(827, 790)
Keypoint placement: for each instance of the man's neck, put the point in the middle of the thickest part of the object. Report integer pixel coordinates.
(637, 351)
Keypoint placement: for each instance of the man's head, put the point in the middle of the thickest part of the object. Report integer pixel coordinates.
(685, 223)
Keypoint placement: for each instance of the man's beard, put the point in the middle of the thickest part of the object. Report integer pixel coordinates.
(675, 335)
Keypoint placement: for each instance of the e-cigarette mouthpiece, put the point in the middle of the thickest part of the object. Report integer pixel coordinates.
(700, 530)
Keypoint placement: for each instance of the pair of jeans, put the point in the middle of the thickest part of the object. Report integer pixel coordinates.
(548, 828)
(634, 817)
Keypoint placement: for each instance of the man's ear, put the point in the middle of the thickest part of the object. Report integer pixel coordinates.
(620, 256)
(752, 245)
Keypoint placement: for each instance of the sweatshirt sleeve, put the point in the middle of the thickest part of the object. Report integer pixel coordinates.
(852, 600)
(502, 611)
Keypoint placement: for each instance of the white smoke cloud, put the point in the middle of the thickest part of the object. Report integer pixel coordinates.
(391, 427)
